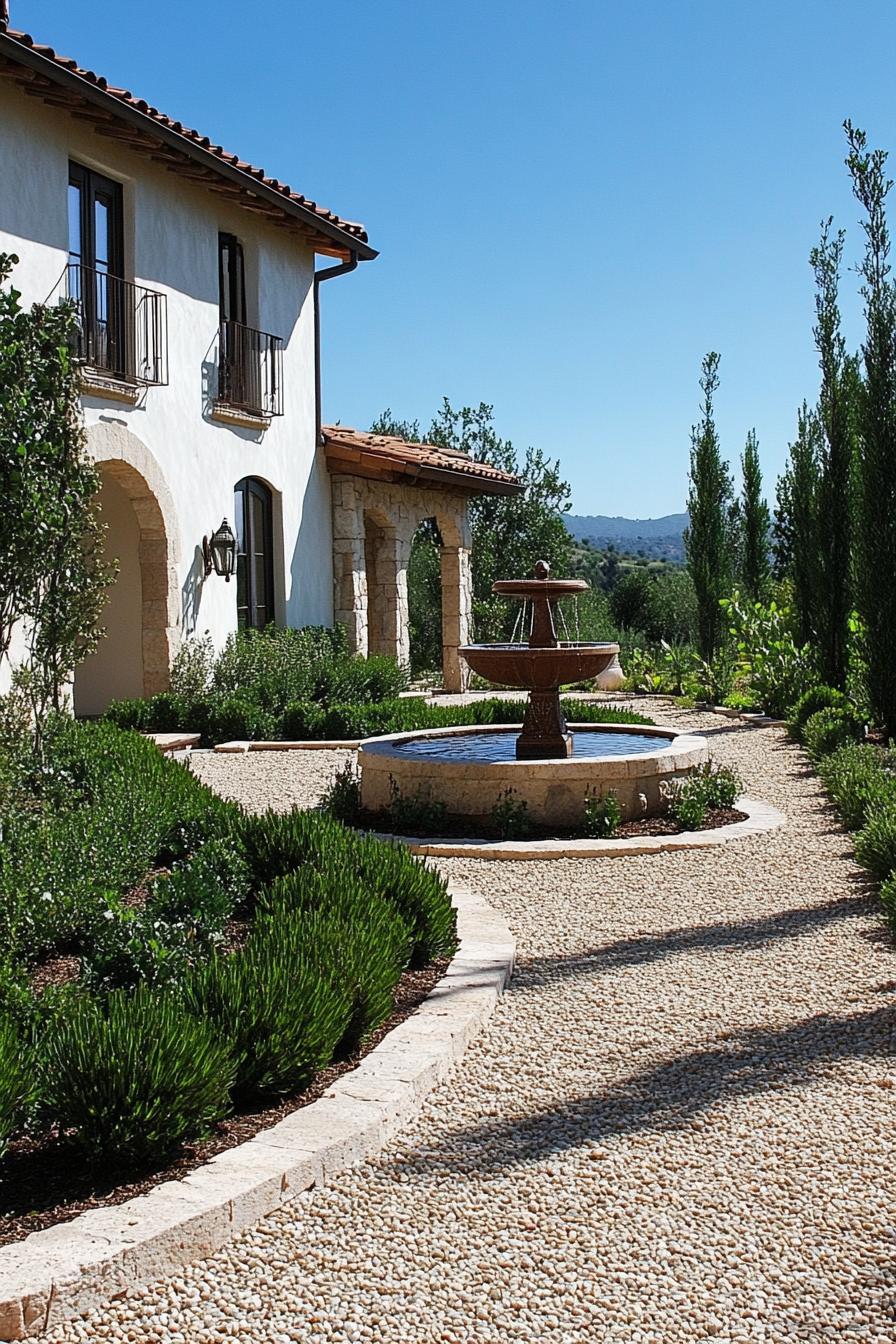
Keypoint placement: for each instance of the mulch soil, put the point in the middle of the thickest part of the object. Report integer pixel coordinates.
(463, 828)
(44, 1182)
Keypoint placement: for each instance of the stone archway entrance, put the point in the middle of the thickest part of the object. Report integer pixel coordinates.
(142, 613)
(383, 489)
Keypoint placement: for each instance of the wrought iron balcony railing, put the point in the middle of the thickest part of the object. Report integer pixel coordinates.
(122, 327)
(250, 369)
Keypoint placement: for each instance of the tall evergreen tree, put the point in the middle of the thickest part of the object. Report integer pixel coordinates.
(708, 539)
(834, 599)
(875, 534)
(796, 522)
(755, 523)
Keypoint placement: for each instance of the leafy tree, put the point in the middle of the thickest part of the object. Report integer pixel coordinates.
(631, 601)
(796, 523)
(709, 544)
(53, 578)
(875, 535)
(755, 523)
(509, 533)
(839, 388)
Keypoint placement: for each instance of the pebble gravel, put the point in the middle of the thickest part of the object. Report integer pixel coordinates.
(678, 1126)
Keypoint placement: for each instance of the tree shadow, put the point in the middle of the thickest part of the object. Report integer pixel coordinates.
(670, 1095)
(726, 937)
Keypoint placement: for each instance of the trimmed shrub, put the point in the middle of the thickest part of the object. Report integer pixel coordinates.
(280, 1002)
(239, 718)
(876, 841)
(365, 940)
(818, 698)
(15, 1080)
(858, 777)
(828, 729)
(134, 1076)
(277, 843)
(303, 721)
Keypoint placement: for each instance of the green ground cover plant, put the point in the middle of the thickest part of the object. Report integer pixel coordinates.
(165, 957)
(709, 788)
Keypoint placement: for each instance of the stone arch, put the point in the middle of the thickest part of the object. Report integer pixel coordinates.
(130, 473)
(386, 551)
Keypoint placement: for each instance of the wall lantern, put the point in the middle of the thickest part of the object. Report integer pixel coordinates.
(220, 553)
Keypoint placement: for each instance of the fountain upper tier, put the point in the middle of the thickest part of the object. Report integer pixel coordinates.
(544, 664)
(539, 669)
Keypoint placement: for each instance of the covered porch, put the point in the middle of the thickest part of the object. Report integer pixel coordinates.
(383, 489)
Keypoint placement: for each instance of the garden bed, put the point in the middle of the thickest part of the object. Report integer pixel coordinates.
(41, 1186)
(175, 972)
(456, 827)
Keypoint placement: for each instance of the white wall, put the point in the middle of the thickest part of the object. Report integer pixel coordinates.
(171, 242)
(115, 671)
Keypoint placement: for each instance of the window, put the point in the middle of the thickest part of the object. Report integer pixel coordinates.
(250, 362)
(96, 266)
(255, 554)
(231, 279)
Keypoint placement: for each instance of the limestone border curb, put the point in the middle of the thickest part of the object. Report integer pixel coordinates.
(761, 817)
(74, 1267)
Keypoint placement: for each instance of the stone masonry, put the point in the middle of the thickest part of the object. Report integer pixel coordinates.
(374, 523)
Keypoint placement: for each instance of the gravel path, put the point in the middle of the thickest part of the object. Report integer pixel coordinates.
(679, 1124)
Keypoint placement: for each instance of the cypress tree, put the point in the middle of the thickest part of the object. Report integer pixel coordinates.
(875, 533)
(796, 522)
(708, 540)
(834, 598)
(755, 523)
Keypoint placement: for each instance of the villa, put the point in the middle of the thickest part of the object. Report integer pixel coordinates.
(198, 299)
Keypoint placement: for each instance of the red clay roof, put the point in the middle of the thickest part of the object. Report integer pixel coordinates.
(68, 73)
(383, 456)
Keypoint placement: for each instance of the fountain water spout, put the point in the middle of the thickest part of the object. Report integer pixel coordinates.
(542, 666)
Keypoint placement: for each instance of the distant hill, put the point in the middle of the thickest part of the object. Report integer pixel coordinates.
(656, 537)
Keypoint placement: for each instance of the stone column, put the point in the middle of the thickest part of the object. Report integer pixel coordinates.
(349, 570)
(393, 554)
(457, 606)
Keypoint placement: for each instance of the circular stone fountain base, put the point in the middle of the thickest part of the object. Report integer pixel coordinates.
(457, 767)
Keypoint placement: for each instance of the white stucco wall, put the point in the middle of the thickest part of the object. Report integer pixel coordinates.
(171, 244)
(115, 671)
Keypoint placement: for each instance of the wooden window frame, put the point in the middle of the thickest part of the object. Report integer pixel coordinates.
(248, 488)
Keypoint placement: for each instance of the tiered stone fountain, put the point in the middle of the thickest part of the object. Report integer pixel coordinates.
(550, 765)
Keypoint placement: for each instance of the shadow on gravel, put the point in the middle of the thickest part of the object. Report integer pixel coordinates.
(727, 937)
(668, 1097)
(728, 729)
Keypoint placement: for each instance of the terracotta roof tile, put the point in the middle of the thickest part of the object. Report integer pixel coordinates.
(385, 451)
(125, 96)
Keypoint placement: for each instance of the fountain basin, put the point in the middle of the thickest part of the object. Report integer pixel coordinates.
(538, 669)
(458, 767)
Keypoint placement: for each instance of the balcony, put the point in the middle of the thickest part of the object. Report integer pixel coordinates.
(122, 327)
(250, 371)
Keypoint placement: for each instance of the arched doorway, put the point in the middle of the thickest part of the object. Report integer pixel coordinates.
(142, 613)
(425, 598)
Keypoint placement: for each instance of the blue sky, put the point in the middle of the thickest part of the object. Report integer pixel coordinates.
(572, 200)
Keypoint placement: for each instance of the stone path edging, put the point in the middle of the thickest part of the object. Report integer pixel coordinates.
(760, 817)
(76, 1266)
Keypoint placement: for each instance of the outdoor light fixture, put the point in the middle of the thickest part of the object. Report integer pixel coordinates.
(220, 553)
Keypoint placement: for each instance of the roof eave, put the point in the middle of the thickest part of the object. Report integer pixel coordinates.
(69, 79)
(343, 459)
